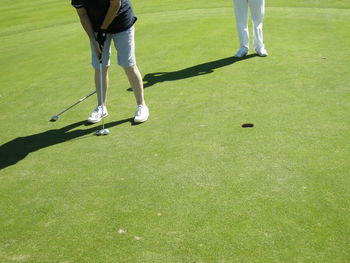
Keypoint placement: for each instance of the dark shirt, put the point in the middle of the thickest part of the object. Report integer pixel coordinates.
(97, 10)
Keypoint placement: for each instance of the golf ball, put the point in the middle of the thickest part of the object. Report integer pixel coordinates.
(102, 132)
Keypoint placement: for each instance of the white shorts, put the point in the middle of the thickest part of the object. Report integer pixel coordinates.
(124, 44)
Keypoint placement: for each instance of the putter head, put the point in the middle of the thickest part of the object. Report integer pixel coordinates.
(102, 132)
(54, 118)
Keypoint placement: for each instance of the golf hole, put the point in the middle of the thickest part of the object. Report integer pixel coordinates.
(247, 125)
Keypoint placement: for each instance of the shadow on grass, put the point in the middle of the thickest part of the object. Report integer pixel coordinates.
(17, 149)
(151, 79)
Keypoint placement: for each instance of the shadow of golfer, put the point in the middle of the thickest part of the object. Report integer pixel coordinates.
(17, 149)
(194, 71)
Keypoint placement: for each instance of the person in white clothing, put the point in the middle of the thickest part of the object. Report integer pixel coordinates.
(257, 11)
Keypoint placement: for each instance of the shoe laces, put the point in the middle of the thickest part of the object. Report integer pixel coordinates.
(97, 111)
(139, 109)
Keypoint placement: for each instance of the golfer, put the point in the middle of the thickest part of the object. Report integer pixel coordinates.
(257, 11)
(104, 21)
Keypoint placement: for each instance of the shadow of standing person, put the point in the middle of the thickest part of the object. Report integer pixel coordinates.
(194, 71)
(17, 149)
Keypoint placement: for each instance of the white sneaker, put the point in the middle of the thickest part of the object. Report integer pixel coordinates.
(262, 52)
(241, 52)
(141, 114)
(96, 115)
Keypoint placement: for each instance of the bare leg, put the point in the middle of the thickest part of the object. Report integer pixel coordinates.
(135, 80)
(104, 84)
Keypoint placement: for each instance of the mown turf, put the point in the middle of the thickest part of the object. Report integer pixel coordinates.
(190, 185)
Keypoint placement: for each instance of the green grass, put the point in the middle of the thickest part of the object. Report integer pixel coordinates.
(190, 185)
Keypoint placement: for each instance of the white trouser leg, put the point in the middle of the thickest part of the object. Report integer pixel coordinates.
(241, 13)
(257, 11)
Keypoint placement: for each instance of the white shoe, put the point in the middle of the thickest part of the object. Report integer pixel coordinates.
(141, 114)
(262, 52)
(241, 52)
(96, 115)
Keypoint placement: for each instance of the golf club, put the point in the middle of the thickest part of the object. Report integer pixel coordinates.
(55, 117)
(103, 131)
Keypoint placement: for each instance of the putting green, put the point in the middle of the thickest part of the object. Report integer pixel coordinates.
(189, 185)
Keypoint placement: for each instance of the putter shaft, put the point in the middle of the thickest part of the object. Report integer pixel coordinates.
(76, 103)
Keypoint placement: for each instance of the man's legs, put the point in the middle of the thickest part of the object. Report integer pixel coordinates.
(104, 85)
(100, 113)
(125, 45)
(96, 115)
(257, 10)
(105, 65)
(136, 83)
(241, 13)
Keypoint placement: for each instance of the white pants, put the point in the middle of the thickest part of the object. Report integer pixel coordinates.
(257, 11)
